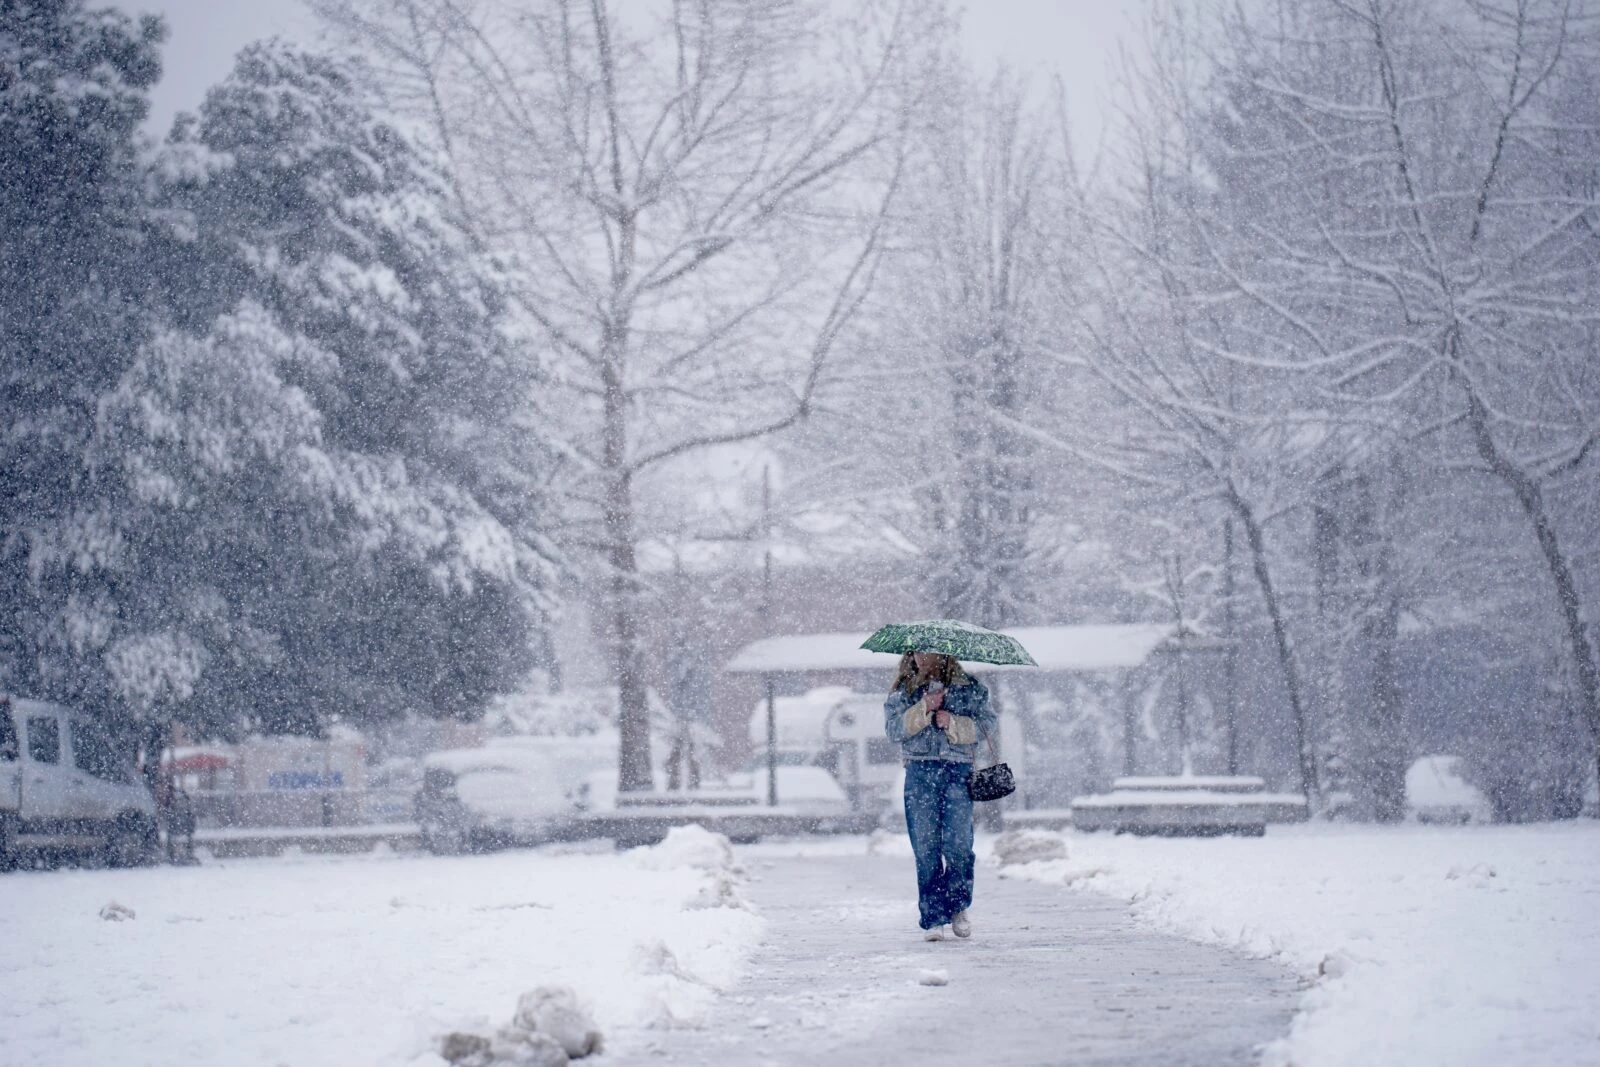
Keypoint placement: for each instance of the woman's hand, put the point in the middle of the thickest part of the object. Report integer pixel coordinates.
(941, 718)
(933, 699)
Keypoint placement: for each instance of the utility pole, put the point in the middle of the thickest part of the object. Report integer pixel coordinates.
(766, 610)
(1173, 564)
(1230, 652)
(1130, 751)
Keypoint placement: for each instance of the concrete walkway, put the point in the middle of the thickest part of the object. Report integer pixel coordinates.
(1049, 977)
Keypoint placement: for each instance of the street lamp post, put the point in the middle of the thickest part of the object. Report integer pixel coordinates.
(766, 610)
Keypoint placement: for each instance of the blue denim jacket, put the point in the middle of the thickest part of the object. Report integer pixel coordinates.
(971, 700)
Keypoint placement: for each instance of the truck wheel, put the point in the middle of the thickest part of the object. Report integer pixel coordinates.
(9, 828)
(444, 838)
(133, 841)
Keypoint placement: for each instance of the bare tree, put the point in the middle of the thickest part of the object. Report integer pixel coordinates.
(1351, 282)
(1429, 250)
(1168, 397)
(984, 233)
(696, 196)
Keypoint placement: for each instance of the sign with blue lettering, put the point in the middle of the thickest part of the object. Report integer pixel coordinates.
(305, 780)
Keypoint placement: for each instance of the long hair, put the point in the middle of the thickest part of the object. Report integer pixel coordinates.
(908, 678)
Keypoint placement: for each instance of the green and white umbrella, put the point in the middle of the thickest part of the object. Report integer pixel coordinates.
(951, 638)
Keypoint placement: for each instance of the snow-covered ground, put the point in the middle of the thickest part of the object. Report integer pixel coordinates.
(1420, 945)
(357, 961)
(1472, 946)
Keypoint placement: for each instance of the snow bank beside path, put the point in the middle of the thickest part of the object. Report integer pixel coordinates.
(1470, 946)
(357, 961)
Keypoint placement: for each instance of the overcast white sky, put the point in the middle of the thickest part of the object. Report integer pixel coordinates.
(1073, 38)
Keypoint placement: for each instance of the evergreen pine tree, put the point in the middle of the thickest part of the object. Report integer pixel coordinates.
(73, 233)
(324, 445)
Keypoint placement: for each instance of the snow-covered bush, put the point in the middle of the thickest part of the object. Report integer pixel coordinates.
(1531, 761)
(575, 712)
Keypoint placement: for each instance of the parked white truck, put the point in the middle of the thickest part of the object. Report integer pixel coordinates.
(64, 789)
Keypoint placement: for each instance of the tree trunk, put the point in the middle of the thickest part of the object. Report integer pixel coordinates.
(1386, 762)
(1528, 494)
(1230, 653)
(1280, 637)
(986, 583)
(633, 706)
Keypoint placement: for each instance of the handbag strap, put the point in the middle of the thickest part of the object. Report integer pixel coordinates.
(994, 753)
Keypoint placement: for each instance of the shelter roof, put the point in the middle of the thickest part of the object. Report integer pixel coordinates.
(1098, 647)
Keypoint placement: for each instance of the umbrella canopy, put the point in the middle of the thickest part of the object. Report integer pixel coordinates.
(951, 638)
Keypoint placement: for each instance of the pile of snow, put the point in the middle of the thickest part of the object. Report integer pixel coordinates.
(697, 848)
(1028, 846)
(1471, 946)
(555, 1011)
(681, 995)
(690, 846)
(551, 1028)
(882, 842)
(369, 960)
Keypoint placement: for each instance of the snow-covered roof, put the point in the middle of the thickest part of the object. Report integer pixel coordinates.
(197, 757)
(1202, 798)
(1089, 648)
(1055, 648)
(809, 652)
(180, 752)
(1221, 783)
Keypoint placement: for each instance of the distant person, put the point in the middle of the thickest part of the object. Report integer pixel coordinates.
(939, 715)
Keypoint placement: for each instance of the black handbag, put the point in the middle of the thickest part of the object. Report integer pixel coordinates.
(992, 782)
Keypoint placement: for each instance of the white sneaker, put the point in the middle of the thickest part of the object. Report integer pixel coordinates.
(935, 934)
(961, 926)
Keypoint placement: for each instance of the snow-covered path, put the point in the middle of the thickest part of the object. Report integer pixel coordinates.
(1049, 977)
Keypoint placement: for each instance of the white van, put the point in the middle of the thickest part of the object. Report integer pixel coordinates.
(866, 763)
(836, 728)
(63, 788)
(513, 791)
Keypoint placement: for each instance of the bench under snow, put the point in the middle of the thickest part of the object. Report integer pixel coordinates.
(1187, 806)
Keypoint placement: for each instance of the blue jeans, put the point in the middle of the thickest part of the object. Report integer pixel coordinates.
(939, 819)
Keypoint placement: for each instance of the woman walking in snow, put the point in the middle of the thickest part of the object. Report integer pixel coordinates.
(939, 715)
